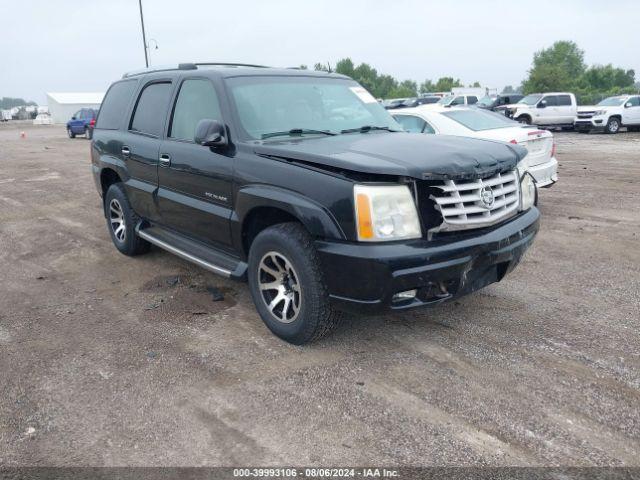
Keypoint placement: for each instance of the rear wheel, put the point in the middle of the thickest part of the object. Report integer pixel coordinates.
(287, 285)
(122, 221)
(613, 125)
(70, 133)
(526, 119)
(88, 133)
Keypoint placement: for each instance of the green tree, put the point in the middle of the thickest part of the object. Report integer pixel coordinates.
(445, 84)
(508, 89)
(427, 86)
(476, 85)
(407, 88)
(321, 67)
(384, 86)
(367, 76)
(345, 67)
(555, 68)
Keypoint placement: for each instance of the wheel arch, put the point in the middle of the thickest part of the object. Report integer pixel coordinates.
(261, 206)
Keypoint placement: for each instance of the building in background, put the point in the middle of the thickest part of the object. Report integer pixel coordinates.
(62, 106)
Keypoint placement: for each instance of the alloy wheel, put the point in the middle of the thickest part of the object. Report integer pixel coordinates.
(279, 286)
(116, 220)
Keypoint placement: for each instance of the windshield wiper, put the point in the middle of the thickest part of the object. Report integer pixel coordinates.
(368, 128)
(297, 132)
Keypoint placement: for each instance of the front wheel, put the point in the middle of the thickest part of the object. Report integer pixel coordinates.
(70, 133)
(287, 285)
(613, 125)
(526, 119)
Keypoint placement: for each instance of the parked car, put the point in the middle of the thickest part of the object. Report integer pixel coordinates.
(455, 100)
(82, 123)
(42, 119)
(250, 173)
(5, 115)
(497, 103)
(610, 114)
(476, 123)
(392, 103)
(416, 102)
(545, 109)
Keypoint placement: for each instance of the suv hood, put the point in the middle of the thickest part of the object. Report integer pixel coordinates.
(591, 108)
(427, 157)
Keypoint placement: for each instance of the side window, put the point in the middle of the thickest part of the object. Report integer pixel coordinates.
(634, 101)
(196, 101)
(151, 109)
(114, 105)
(471, 99)
(428, 128)
(564, 100)
(410, 123)
(458, 101)
(77, 115)
(551, 100)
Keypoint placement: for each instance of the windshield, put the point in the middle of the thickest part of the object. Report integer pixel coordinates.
(612, 102)
(478, 120)
(280, 104)
(531, 99)
(446, 100)
(486, 101)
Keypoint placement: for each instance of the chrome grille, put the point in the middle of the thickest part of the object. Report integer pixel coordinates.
(462, 207)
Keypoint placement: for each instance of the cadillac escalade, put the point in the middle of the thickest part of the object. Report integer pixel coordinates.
(303, 185)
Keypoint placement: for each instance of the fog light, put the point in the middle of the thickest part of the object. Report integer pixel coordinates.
(406, 295)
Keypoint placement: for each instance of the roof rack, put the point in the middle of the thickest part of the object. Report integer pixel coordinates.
(188, 66)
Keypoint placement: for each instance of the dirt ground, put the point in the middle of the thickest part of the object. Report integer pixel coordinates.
(110, 360)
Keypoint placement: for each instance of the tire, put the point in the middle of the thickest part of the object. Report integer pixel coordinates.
(526, 119)
(613, 126)
(70, 133)
(121, 222)
(88, 133)
(287, 250)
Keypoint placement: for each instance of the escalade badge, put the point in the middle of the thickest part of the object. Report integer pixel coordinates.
(486, 195)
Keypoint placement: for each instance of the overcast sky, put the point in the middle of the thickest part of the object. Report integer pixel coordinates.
(64, 45)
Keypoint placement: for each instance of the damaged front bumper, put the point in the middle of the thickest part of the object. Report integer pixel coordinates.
(366, 278)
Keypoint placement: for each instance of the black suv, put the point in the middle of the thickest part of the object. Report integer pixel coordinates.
(302, 184)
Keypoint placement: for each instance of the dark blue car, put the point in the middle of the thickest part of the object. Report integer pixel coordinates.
(82, 123)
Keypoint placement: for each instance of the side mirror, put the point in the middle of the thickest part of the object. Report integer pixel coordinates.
(210, 133)
(542, 104)
(627, 105)
(73, 118)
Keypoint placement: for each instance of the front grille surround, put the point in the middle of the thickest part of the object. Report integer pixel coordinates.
(461, 206)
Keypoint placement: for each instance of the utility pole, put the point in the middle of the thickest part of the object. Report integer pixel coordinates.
(144, 36)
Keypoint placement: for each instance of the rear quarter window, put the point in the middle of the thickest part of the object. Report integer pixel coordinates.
(151, 109)
(115, 105)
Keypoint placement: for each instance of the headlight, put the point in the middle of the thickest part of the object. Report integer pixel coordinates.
(599, 112)
(385, 212)
(527, 192)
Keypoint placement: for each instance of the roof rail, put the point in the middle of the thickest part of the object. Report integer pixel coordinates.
(187, 66)
(223, 64)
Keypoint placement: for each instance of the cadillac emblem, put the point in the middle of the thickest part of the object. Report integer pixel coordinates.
(486, 197)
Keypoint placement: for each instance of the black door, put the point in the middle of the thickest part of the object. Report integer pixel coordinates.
(141, 144)
(194, 195)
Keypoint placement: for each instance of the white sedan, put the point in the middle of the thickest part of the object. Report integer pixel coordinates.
(476, 123)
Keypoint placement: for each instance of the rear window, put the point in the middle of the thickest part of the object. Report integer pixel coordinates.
(151, 109)
(478, 120)
(114, 105)
(564, 100)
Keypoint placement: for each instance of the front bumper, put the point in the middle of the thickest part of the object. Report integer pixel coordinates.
(593, 123)
(364, 278)
(545, 174)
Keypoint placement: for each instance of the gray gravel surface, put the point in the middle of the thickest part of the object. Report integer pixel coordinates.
(110, 360)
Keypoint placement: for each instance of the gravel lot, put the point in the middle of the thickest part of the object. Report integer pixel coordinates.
(110, 360)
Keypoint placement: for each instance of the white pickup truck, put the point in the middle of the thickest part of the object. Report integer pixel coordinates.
(610, 114)
(556, 109)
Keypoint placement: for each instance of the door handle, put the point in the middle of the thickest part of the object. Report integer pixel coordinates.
(126, 151)
(165, 160)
